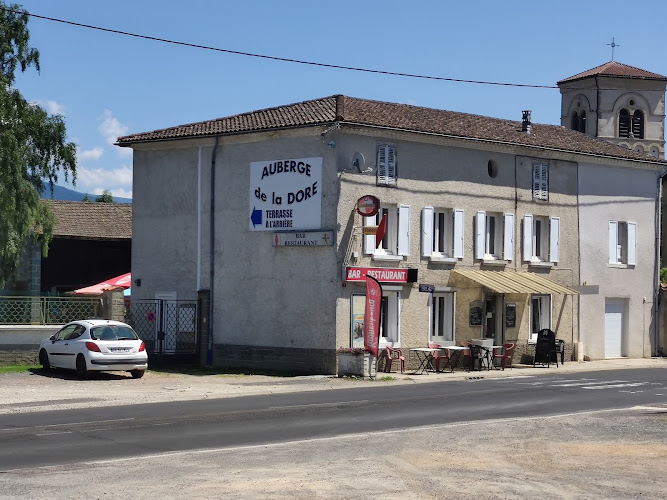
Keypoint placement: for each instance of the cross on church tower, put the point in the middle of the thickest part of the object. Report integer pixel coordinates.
(613, 45)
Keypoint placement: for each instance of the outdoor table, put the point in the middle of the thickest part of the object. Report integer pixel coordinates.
(425, 357)
(456, 352)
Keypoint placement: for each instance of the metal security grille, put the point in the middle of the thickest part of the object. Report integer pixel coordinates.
(168, 328)
(18, 310)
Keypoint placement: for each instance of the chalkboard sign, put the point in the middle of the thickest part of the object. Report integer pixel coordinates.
(476, 313)
(510, 315)
(546, 344)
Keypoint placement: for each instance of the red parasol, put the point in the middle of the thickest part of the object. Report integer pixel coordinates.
(122, 281)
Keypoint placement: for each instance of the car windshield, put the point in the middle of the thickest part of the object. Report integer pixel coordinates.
(113, 332)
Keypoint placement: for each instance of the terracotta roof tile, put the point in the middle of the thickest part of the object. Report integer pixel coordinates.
(616, 69)
(350, 110)
(90, 219)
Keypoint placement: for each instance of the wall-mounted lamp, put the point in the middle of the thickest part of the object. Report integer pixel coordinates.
(137, 282)
(332, 144)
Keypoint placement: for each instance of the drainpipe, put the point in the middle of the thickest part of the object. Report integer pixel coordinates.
(656, 279)
(209, 353)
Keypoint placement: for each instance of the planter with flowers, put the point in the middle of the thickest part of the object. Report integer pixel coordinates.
(354, 362)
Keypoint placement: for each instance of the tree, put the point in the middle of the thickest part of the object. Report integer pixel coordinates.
(105, 197)
(33, 149)
(86, 198)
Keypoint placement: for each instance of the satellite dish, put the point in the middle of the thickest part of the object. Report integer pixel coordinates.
(359, 162)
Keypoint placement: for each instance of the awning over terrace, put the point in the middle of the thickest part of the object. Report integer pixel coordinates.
(510, 282)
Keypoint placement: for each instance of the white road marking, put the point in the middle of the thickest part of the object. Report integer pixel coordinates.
(318, 405)
(66, 423)
(615, 386)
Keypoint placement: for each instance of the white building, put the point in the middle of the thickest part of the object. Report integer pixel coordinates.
(505, 220)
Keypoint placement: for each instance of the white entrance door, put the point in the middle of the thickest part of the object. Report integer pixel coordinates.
(614, 316)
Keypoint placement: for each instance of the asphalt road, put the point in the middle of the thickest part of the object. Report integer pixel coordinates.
(71, 436)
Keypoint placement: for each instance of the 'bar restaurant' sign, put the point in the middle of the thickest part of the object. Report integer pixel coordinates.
(382, 274)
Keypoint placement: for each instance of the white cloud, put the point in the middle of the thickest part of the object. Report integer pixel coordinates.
(55, 108)
(118, 180)
(124, 152)
(89, 154)
(111, 128)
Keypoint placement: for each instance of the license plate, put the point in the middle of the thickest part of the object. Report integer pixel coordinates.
(119, 349)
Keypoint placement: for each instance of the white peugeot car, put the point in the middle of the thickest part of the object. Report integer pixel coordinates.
(95, 345)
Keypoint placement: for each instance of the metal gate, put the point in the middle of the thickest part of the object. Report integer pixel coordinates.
(168, 328)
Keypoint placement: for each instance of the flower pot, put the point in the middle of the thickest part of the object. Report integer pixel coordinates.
(354, 365)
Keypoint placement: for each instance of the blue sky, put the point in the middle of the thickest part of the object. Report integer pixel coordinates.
(107, 85)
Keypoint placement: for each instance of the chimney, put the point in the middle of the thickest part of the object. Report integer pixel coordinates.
(525, 121)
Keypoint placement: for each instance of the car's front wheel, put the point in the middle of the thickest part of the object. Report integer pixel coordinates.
(137, 373)
(44, 360)
(81, 368)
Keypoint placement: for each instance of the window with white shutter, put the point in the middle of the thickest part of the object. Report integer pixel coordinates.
(623, 243)
(442, 233)
(396, 240)
(386, 165)
(489, 236)
(541, 181)
(541, 239)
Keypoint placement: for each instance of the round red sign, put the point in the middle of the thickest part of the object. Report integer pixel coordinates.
(368, 205)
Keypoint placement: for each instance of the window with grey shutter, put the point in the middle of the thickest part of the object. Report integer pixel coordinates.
(386, 165)
(541, 181)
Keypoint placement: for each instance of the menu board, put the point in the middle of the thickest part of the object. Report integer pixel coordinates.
(546, 341)
(476, 313)
(510, 315)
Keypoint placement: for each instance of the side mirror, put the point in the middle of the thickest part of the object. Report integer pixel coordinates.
(52, 338)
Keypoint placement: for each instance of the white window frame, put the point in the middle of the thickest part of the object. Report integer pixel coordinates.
(390, 330)
(622, 243)
(446, 247)
(541, 239)
(396, 242)
(387, 165)
(494, 236)
(541, 181)
(442, 317)
(540, 305)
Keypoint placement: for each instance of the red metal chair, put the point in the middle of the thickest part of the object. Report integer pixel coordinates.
(439, 356)
(508, 350)
(394, 354)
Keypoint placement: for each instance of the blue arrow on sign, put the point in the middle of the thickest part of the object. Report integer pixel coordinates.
(256, 217)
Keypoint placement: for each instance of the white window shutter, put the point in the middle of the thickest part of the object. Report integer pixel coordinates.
(427, 231)
(391, 165)
(386, 165)
(632, 243)
(382, 164)
(404, 230)
(527, 238)
(458, 233)
(508, 239)
(541, 181)
(554, 239)
(613, 241)
(369, 239)
(480, 234)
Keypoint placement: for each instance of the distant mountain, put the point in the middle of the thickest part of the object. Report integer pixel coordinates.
(65, 194)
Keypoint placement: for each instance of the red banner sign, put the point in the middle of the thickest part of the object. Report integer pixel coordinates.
(379, 273)
(372, 315)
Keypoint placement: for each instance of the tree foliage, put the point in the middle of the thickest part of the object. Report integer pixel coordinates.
(33, 149)
(105, 197)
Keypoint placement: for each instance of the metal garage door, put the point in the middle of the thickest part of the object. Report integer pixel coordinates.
(614, 312)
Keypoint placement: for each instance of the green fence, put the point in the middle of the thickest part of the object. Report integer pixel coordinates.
(18, 310)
